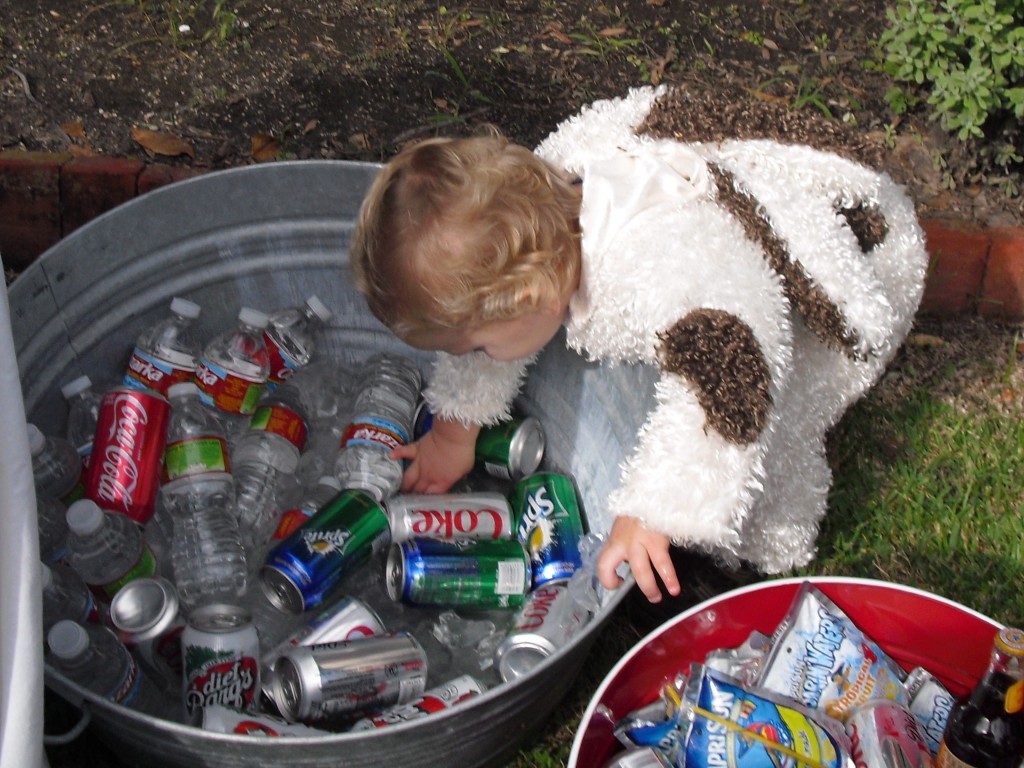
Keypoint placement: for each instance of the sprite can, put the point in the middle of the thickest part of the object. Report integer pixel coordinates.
(302, 570)
(549, 524)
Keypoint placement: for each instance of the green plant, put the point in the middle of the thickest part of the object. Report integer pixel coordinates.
(186, 22)
(968, 55)
(603, 43)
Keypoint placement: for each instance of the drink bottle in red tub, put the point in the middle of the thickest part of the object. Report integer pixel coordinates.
(128, 451)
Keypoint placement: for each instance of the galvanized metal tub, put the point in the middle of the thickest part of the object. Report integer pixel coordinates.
(269, 236)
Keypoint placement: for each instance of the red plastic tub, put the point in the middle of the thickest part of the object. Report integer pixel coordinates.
(915, 627)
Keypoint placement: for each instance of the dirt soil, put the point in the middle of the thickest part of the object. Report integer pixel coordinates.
(251, 81)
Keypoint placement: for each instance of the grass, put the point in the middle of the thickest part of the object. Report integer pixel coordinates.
(927, 492)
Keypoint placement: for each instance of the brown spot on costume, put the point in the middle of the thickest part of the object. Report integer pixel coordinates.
(718, 353)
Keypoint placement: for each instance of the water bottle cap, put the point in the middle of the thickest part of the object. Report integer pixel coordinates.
(45, 574)
(36, 440)
(319, 308)
(185, 308)
(84, 517)
(67, 639)
(75, 386)
(183, 389)
(249, 316)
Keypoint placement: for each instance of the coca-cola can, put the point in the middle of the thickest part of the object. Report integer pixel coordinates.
(544, 624)
(145, 614)
(221, 651)
(321, 682)
(127, 453)
(449, 516)
(445, 696)
(885, 734)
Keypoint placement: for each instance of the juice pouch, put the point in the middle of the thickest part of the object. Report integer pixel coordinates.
(821, 659)
(726, 725)
(653, 725)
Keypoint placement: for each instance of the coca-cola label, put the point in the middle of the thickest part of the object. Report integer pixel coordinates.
(195, 456)
(227, 391)
(534, 613)
(368, 430)
(282, 421)
(445, 523)
(124, 469)
(219, 678)
(148, 372)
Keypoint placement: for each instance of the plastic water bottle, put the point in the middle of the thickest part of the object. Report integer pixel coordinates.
(83, 411)
(291, 337)
(265, 459)
(51, 516)
(198, 491)
(166, 352)
(56, 466)
(325, 489)
(92, 656)
(382, 420)
(106, 548)
(66, 596)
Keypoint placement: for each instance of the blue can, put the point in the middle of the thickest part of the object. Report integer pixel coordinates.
(549, 524)
(304, 569)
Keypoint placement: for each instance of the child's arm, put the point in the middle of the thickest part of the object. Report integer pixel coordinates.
(631, 541)
(440, 458)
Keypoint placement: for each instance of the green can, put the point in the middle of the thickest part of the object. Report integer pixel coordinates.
(493, 573)
(512, 449)
(549, 525)
(302, 570)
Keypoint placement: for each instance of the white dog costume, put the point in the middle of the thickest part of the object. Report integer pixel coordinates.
(745, 270)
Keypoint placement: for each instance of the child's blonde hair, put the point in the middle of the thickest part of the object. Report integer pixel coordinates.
(458, 232)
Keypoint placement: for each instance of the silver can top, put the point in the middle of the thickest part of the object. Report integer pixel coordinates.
(220, 618)
(527, 448)
(280, 591)
(144, 608)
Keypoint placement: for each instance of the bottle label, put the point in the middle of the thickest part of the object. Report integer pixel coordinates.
(127, 691)
(226, 391)
(281, 421)
(145, 566)
(367, 430)
(282, 365)
(947, 759)
(195, 456)
(291, 520)
(148, 372)
(1014, 701)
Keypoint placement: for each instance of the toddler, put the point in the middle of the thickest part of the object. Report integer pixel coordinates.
(771, 284)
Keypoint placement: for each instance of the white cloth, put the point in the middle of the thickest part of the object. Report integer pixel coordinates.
(21, 642)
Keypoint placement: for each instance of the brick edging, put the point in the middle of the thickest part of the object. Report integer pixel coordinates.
(46, 196)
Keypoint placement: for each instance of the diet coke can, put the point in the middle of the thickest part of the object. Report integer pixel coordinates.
(320, 682)
(437, 699)
(145, 615)
(222, 659)
(543, 625)
(885, 734)
(128, 451)
(449, 516)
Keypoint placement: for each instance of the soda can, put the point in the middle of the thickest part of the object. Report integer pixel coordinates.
(543, 625)
(462, 572)
(145, 614)
(885, 734)
(437, 699)
(328, 680)
(486, 515)
(221, 651)
(512, 449)
(128, 452)
(221, 719)
(640, 757)
(304, 569)
(347, 619)
(549, 523)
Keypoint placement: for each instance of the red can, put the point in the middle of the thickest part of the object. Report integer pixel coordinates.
(128, 450)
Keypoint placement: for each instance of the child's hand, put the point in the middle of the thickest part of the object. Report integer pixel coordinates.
(631, 541)
(440, 458)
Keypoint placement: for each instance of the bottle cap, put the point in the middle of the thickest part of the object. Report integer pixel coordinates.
(319, 308)
(1010, 640)
(36, 440)
(46, 575)
(84, 517)
(183, 389)
(75, 386)
(253, 317)
(67, 639)
(185, 308)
